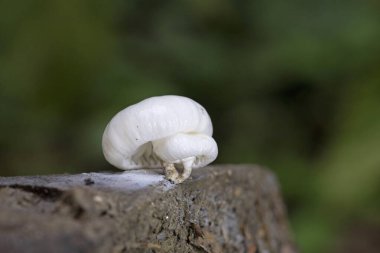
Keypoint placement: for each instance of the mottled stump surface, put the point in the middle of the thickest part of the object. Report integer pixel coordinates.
(229, 208)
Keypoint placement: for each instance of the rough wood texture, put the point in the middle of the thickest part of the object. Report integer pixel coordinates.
(220, 209)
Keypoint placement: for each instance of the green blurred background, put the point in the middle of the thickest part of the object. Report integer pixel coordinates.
(291, 85)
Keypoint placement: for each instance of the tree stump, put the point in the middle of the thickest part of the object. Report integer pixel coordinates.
(229, 208)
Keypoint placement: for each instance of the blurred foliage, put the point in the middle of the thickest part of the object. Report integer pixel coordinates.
(291, 85)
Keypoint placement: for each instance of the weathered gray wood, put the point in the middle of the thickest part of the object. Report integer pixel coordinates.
(226, 208)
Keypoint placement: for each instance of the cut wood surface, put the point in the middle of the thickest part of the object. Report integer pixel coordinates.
(223, 208)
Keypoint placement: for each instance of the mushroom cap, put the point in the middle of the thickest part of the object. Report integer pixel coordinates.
(178, 147)
(136, 136)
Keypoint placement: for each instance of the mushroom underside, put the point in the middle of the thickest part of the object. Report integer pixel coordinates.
(176, 171)
(178, 154)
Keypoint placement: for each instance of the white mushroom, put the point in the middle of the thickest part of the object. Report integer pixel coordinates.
(161, 131)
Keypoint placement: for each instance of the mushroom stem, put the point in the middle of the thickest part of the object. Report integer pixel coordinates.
(187, 167)
(172, 174)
